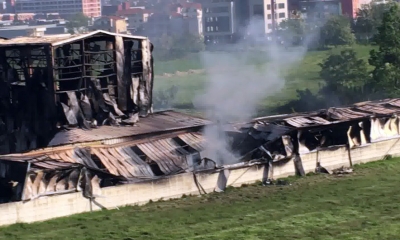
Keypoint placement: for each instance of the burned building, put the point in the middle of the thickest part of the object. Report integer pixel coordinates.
(76, 121)
(169, 143)
(85, 81)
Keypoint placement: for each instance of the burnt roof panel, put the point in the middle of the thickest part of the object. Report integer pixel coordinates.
(60, 40)
(156, 123)
(306, 121)
(376, 109)
(118, 160)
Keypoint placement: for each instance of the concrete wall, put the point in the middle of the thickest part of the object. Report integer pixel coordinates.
(175, 186)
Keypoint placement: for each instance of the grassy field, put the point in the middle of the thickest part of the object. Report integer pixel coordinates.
(363, 205)
(302, 76)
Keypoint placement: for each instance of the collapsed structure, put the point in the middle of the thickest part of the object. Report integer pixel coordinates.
(86, 81)
(70, 112)
(168, 143)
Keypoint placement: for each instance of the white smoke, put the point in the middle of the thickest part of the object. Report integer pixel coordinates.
(234, 92)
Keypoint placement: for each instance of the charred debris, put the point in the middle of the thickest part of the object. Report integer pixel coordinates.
(53, 83)
(76, 115)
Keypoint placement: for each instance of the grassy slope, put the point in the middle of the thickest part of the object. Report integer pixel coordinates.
(363, 205)
(305, 75)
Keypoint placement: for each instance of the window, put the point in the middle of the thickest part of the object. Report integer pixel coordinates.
(269, 26)
(258, 10)
(281, 5)
(269, 16)
(282, 15)
(269, 7)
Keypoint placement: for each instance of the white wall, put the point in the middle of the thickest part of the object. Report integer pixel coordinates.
(175, 186)
(281, 12)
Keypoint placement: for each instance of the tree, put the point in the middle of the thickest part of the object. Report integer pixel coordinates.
(386, 60)
(77, 23)
(292, 30)
(346, 78)
(336, 31)
(368, 20)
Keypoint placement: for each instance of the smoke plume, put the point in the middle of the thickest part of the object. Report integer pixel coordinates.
(235, 88)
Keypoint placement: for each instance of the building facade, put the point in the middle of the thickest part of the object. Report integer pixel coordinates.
(268, 13)
(111, 24)
(90, 8)
(316, 9)
(219, 20)
(136, 17)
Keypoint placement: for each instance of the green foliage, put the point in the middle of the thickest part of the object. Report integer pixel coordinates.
(77, 23)
(368, 19)
(292, 30)
(174, 47)
(346, 78)
(386, 60)
(336, 31)
(346, 81)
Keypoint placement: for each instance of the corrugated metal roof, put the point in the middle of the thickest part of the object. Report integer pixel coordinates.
(194, 140)
(119, 160)
(57, 40)
(345, 114)
(376, 109)
(156, 123)
(306, 121)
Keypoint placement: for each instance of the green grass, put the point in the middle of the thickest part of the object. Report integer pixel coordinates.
(362, 205)
(302, 76)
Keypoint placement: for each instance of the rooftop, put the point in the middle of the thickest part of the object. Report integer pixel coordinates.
(157, 123)
(59, 40)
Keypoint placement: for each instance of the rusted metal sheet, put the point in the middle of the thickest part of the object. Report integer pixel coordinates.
(376, 109)
(120, 160)
(394, 102)
(306, 121)
(195, 140)
(158, 122)
(345, 114)
(166, 153)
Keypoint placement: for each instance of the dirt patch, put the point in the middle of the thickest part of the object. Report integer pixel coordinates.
(180, 74)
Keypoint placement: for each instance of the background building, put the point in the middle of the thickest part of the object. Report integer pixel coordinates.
(219, 20)
(111, 24)
(26, 30)
(322, 8)
(90, 8)
(265, 13)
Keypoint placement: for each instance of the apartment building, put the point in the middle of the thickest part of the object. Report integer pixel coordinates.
(177, 19)
(219, 20)
(136, 17)
(316, 9)
(90, 8)
(111, 24)
(269, 12)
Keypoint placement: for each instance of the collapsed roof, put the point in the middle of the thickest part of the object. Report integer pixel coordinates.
(83, 81)
(169, 142)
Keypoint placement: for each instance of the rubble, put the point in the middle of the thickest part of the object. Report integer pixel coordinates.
(342, 170)
(83, 128)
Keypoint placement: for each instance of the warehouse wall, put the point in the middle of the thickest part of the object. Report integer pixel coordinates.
(175, 186)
